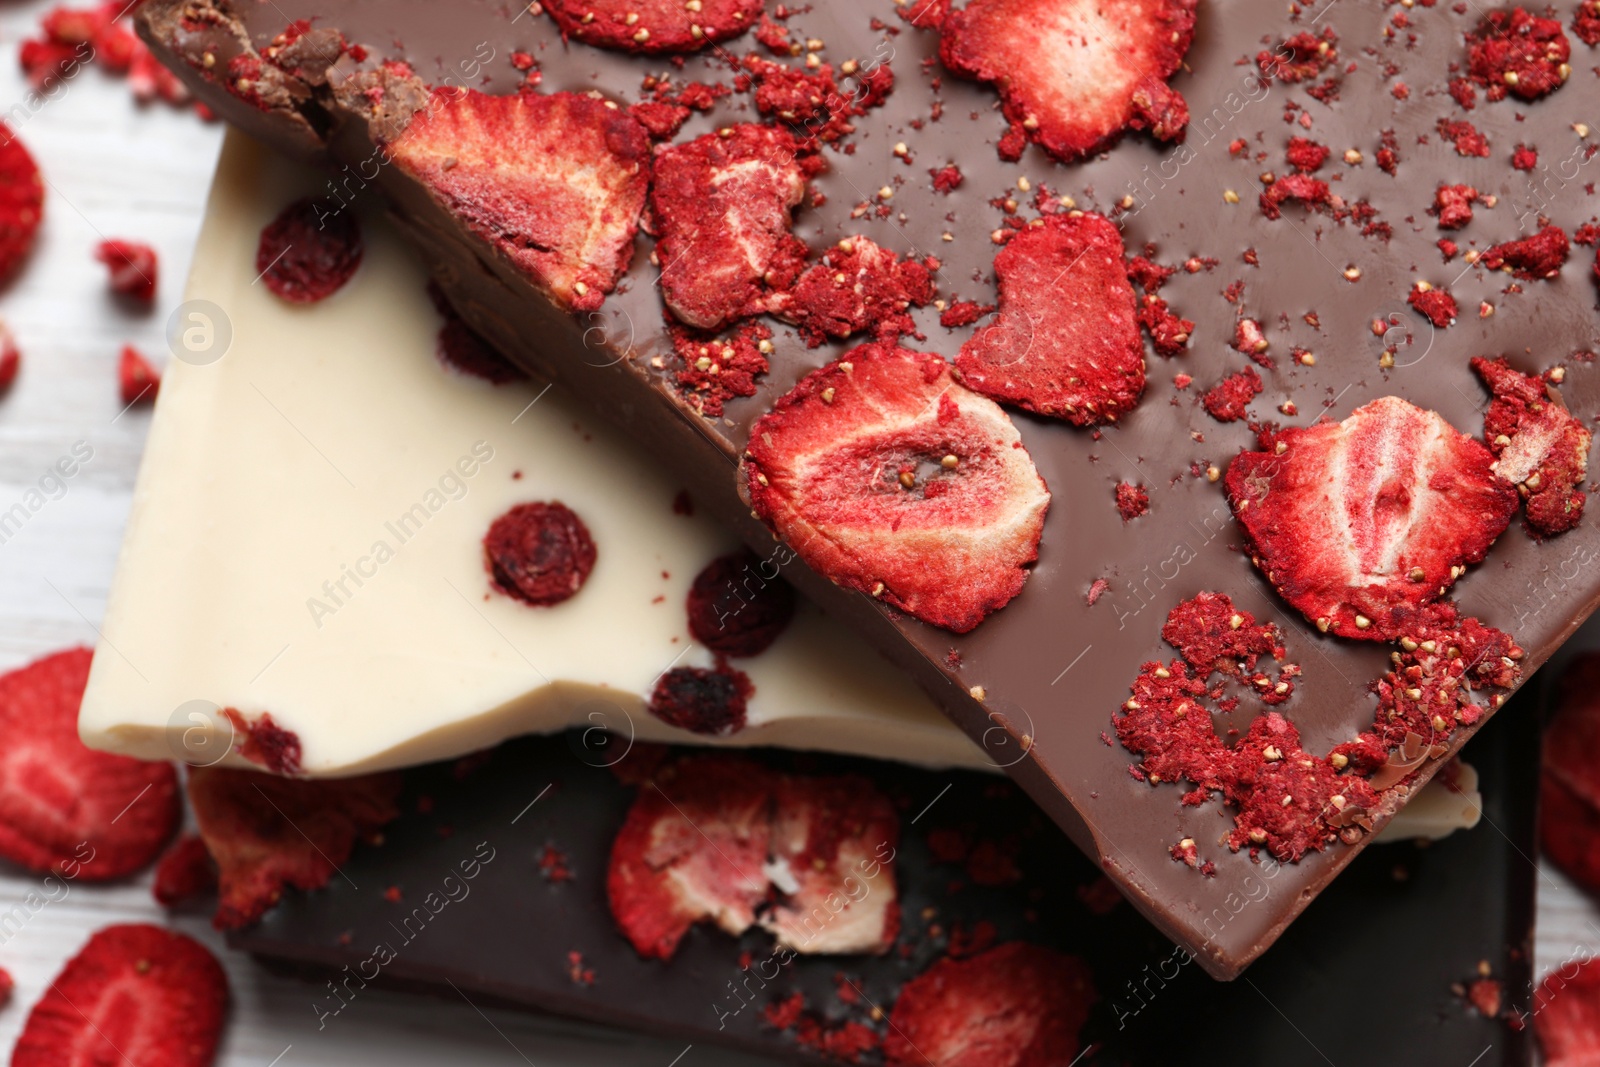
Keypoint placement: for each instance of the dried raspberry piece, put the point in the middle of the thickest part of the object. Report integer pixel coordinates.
(462, 347)
(1586, 22)
(134, 994)
(1169, 334)
(1435, 305)
(137, 380)
(1465, 136)
(64, 807)
(1513, 51)
(263, 742)
(1227, 400)
(1306, 155)
(717, 369)
(1147, 275)
(1540, 256)
(735, 608)
(1066, 348)
(1132, 500)
(1567, 1018)
(540, 553)
(888, 477)
(709, 702)
(1108, 68)
(1301, 57)
(1539, 446)
(857, 286)
(267, 832)
(1312, 192)
(185, 872)
(1018, 1005)
(722, 204)
(310, 250)
(21, 202)
(133, 268)
(555, 182)
(1359, 524)
(652, 27)
(1453, 205)
(1524, 158)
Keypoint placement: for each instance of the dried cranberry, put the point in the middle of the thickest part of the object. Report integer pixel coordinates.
(309, 251)
(702, 701)
(734, 609)
(539, 553)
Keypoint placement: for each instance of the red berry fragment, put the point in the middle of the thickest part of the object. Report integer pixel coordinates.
(137, 380)
(1540, 256)
(722, 204)
(1524, 158)
(310, 250)
(1515, 52)
(133, 268)
(653, 26)
(1169, 334)
(888, 477)
(1066, 342)
(716, 369)
(1586, 22)
(1539, 446)
(1567, 1018)
(539, 553)
(857, 286)
(1301, 57)
(21, 202)
(736, 608)
(1569, 807)
(267, 832)
(1312, 192)
(1306, 155)
(1132, 500)
(1359, 524)
(1435, 305)
(185, 872)
(463, 348)
(1018, 1005)
(1453, 205)
(134, 994)
(1465, 136)
(708, 702)
(65, 807)
(10, 358)
(263, 742)
(1073, 74)
(1228, 399)
(554, 182)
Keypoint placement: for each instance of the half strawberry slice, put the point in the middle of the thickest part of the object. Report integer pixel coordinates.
(1073, 74)
(888, 477)
(1358, 524)
(1066, 342)
(556, 182)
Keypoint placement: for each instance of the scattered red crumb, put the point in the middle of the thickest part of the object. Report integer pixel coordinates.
(1186, 853)
(858, 285)
(1226, 401)
(964, 313)
(1097, 589)
(1465, 136)
(1301, 57)
(1448, 248)
(1435, 305)
(133, 268)
(1539, 256)
(1453, 205)
(715, 369)
(1149, 275)
(1312, 192)
(1484, 995)
(1306, 155)
(577, 973)
(184, 872)
(553, 865)
(1249, 339)
(1169, 334)
(392, 894)
(1524, 158)
(1516, 52)
(539, 553)
(947, 179)
(711, 702)
(262, 741)
(310, 250)
(1132, 500)
(1388, 154)
(1586, 22)
(735, 610)
(784, 1014)
(137, 380)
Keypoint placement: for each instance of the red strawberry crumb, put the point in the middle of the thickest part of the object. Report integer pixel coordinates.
(1069, 351)
(1186, 853)
(924, 14)
(1435, 305)
(266, 832)
(1312, 192)
(539, 553)
(1097, 589)
(1587, 235)
(461, 347)
(133, 268)
(1226, 401)
(263, 742)
(1448, 249)
(137, 380)
(1132, 500)
(1411, 502)
(1182, 381)
(21, 202)
(310, 250)
(1539, 446)
(10, 358)
(1567, 1016)
(1302, 57)
(1108, 73)
(857, 286)
(1148, 275)
(162, 995)
(1249, 338)
(736, 608)
(1484, 994)
(393, 894)
(1465, 136)
(709, 702)
(811, 102)
(1524, 158)
(1017, 1005)
(947, 179)
(1513, 51)
(1306, 155)
(553, 865)
(1388, 154)
(661, 120)
(963, 313)
(652, 26)
(888, 477)
(1540, 256)
(1169, 334)
(1453, 205)
(1586, 22)
(784, 1014)
(185, 872)
(714, 369)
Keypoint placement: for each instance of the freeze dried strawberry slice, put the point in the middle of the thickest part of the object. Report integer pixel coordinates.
(832, 855)
(1018, 1005)
(1567, 1016)
(21, 201)
(134, 994)
(186, 871)
(65, 807)
(1539, 446)
(692, 849)
(267, 832)
(722, 205)
(1073, 74)
(556, 183)
(133, 268)
(888, 477)
(1513, 51)
(653, 26)
(1359, 524)
(1066, 342)
(1540, 256)
(857, 286)
(137, 381)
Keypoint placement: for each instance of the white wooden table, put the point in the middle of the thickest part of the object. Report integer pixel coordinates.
(115, 170)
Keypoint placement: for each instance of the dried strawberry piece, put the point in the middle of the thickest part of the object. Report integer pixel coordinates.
(1513, 51)
(21, 202)
(64, 807)
(1312, 192)
(1466, 138)
(857, 286)
(133, 268)
(1132, 500)
(1569, 832)
(1228, 399)
(134, 994)
(186, 871)
(137, 381)
(810, 103)
(1301, 57)
(266, 832)
(1359, 524)
(555, 182)
(1540, 256)
(709, 702)
(1524, 158)
(661, 120)
(722, 204)
(10, 358)
(735, 608)
(1569, 815)
(263, 742)
(540, 553)
(1567, 1018)
(462, 347)
(1306, 155)
(1435, 305)
(1539, 446)
(717, 369)
(1586, 22)
(48, 63)
(1066, 342)
(1169, 334)
(652, 27)
(1017, 1005)
(1107, 71)
(888, 477)
(310, 250)
(1453, 205)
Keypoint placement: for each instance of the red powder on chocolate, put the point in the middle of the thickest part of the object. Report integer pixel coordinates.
(716, 369)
